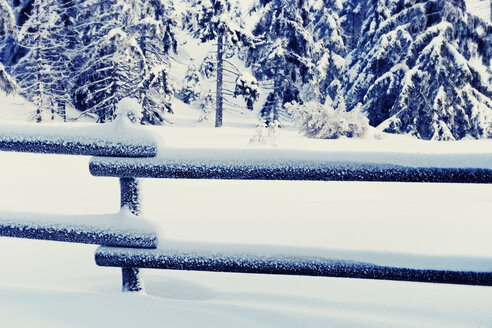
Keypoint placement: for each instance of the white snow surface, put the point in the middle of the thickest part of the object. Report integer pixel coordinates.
(382, 258)
(121, 223)
(110, 133)
(263, 157)
(121, 138)
(52, 284)
(128, 111)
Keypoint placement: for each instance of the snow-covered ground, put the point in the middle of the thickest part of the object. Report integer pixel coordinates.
(50, 284)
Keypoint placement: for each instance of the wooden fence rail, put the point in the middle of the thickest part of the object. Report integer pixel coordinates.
(129, 161)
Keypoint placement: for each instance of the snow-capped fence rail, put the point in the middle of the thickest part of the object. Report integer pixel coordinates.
(301, 261)
(275, 164)
(289, 165)
(103, 140)
(90, 140)
(111, 230)
(139, 159)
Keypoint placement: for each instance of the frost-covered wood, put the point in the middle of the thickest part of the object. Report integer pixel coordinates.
(130, 201)
(301, 165)
(102, 140)
(281, 260)
(111, 230)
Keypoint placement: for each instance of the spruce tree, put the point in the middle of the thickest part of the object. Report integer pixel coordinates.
(283, 54)
(219, 21)
(41, 71)
(329, 50)
(352, 16)
(7, 29)
(156, 36)
(7, 19)
(110, 61)
(125, 48)
(422, 67)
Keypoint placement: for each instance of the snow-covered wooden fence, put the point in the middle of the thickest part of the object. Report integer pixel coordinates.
(131, 243)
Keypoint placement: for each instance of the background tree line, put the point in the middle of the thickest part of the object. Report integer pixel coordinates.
(406, 66)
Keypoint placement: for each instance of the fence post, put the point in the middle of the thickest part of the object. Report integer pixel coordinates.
(130, 200)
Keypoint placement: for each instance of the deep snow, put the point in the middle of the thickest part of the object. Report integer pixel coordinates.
(57, 285)
(50, 284)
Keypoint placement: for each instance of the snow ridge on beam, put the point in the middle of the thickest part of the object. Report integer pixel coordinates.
(91, 140)
(110, 230)
(90, 147)
(261, 263)
(289, 168)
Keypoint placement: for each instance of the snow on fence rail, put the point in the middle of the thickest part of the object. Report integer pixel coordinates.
(100, 140)
(111, 229)
(265, 259)
(274, 164)
(234, 164)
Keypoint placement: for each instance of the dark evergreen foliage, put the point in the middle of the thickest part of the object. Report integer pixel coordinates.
(43, 70)
(421, 67)
(416, 66)
(7, 30)
(352, 16)
(329, 50)
(156, 36)
(112, 63)
(284, 53)
(220, 21)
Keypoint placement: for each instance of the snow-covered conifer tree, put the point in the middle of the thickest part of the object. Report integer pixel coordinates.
(352, 16)
(104, 44)
(156, 36)
(220, 21)
(7, 18)
(41, 71)
(321, 121)
(284, 54)
(191, 91)
(247, 87)
(7, 28)
(111, 63)
(329, 50)
(423, 67)
(125, 53)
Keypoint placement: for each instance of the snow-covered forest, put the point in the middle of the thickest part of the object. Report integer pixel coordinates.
(183, 135)
(333, 67)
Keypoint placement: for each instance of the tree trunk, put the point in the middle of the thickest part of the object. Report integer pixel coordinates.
(220, 75)
(52, 109)
(62, 109)
(276, 98)
(38, 65)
